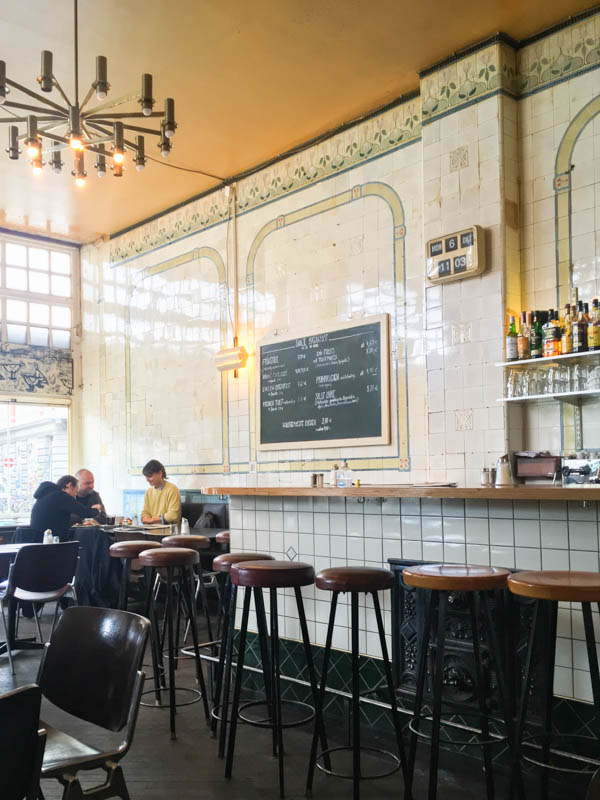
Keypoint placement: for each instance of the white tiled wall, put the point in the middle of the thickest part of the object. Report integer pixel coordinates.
(329, 532)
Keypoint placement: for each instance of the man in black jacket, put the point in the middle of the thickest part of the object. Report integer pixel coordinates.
(88, 496)
(54, 504)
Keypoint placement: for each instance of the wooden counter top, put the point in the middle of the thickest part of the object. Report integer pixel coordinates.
(368, 490)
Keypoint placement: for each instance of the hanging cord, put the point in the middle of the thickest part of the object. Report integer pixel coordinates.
(76, 40)
(186, 169)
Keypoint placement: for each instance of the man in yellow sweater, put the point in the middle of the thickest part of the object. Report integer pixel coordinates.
(162, 502)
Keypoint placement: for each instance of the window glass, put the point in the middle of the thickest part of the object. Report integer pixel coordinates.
(39, 336)
(39, 282)
(16, 334)
(38, 258)
(61, 338)
(61, 316)
(16, 254)
(39, 314)
(16, 279)
(61, 286)
(60, 262)
(16, 310)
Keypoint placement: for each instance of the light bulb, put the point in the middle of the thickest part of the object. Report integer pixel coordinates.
(56, 170)
(118, 157)
(76, 143)
(33, 151)
(101, 173)
(140, 167)
(100, 94)
(146, 110)
(79, 181)
(37, 169)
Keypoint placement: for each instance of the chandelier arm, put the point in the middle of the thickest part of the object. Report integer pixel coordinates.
(12, 120)
(92, 115)
(54, 136)
(61, 90)
(126, 142)
(86, 99)
(37, 109)
(118, 101)
(35, 95)
(138, 129)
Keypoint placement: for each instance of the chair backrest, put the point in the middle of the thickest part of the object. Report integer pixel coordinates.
(90, 665)
(593, 792)
(21, 746)
(44, 567)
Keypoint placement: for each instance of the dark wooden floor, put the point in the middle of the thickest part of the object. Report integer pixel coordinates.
(188, 769)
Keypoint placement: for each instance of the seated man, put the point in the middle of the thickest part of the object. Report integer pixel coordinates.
(162, 502)
(87, 496)
(54, 504)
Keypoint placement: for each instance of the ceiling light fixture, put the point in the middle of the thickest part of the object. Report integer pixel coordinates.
(83, 129)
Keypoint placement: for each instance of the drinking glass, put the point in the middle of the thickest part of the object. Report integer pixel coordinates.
(593, 379)
(513, 385)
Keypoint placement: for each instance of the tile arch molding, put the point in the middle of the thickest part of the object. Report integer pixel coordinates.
(562, 197)
(194, 255)
(401, 460)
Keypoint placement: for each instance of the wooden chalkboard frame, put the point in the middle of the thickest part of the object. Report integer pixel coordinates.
(384, 371)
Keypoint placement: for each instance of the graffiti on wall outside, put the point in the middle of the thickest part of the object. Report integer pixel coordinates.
(31, 370)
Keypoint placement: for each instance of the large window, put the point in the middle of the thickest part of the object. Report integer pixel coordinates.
(33, 448)
(36, 293)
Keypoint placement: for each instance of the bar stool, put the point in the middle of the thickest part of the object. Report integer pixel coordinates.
(178, 562)
(223, 537)
(441, 580)
(356, 581)
(127, 552)
(198, 543)
(548, 588)
(222, 565)
(270, 575)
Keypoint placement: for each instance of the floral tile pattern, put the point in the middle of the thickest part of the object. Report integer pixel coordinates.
(34, 370)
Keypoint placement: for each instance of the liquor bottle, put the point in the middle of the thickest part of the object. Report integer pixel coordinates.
(536, 338)
(586, 311)
(552, 336)
(566, 341)
(512, 353)
(580, 330)
(523, 337)
(593, 331)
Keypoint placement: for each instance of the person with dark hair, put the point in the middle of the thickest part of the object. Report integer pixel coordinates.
(162, 502)
(54, 504)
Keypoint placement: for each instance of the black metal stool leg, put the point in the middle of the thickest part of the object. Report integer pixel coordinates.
(391, 691)
(551, 609)
(592, 652)
(320, 701)
(480, 689)
(263, 640)
(525, 690)
(438, 686)
(125, 567)
(187, 584)
(169, 612)
(205, 602)
(154, 636)
(238, 682)
(277, 721)
(311, 669)
(354, 630)
(222, 650)
(228, 666)
(423, 647)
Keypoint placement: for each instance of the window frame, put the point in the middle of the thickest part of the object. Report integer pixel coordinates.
(29, 296)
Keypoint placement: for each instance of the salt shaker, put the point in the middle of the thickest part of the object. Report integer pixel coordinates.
(485, 477)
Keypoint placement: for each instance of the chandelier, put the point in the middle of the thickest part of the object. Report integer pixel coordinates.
(52, 129)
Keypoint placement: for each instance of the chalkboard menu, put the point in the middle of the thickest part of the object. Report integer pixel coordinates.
(324, 389)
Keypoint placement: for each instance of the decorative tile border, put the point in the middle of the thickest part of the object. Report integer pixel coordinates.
(491, 67)
(35, 370)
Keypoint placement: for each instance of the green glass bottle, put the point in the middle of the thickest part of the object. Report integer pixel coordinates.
(536, 337)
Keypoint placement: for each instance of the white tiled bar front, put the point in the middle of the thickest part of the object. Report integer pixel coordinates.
(335, 531)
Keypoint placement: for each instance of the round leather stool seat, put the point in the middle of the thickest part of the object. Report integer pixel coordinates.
(578, 587)
(192, 542)
(131, 549)
(223, 537)
(354, 579)
(455, 577)
(224, 562)
(272, 574)
(169, 557)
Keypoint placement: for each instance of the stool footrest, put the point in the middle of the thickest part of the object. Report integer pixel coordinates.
(197, 696)
(349, 775)
(587, 764)
(413, 726)
(268, 722)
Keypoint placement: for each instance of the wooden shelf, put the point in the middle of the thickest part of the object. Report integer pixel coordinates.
(549, 361)
(366, 490)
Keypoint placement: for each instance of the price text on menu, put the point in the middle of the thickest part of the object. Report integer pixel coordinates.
(323, 387)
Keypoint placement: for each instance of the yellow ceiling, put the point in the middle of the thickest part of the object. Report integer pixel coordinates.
(250, 81)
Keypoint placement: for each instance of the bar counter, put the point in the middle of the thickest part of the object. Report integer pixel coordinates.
(591, 493)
